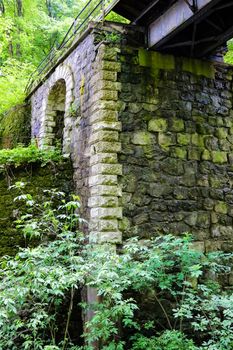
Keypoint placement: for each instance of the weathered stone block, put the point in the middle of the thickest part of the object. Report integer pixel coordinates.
(106, 213)
(219, 157)
(141, 138)
(222, 232)
(221, 207)
(166, 140)
(206, 155)
(103, 225)
(222, 133)
(109, 158)
(106, 237)
(102, 201)
(104, 75)
(111, 66)
(194, 154)
(106, 95)
(107, 125)
(96, 180)
(179, 152)
(197, 140)
(134, 107)
(107, 85)
(157, 125)
(104, 116)
(106, 190)
(177, 125)
(104, 135)
(198, 246)
(184, 139)
(106, 147)
(150, 107)
(106, 169)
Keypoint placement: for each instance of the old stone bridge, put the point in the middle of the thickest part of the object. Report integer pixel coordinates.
(150, 134)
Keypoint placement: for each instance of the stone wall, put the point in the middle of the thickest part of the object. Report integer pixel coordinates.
(177, 143)
(150, 134)
(91, 132)
(37, 179)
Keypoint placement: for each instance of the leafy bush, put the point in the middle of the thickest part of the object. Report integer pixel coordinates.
(38, 287)
(24, 155)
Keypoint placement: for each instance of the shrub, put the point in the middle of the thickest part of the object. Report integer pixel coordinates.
(38, 288)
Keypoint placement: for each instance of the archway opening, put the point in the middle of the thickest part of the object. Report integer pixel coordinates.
(55, 114)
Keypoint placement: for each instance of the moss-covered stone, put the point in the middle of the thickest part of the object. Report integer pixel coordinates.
(155, 60)
(198, 67)
(197, 140)
(206, 155)
(184, 139)
(220, 207)
(219, 157)
(165, 140)
(222, 133)
(37, 179)
(177, 125)
(15, 126)
(141, 138)
(179, 152)
(157, 125)
(194, 154)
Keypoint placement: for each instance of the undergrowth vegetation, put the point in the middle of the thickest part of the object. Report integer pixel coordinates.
(25, 155)
(158, 294)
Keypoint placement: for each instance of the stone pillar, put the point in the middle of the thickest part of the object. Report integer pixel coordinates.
(105, 191)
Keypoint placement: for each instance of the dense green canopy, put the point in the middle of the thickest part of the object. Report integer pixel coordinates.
(28, 30)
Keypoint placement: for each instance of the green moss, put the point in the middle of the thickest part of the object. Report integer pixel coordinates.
(157, 125)
(219, 157)
(194, 154)
(206, 155)
(179, 152)
(184, 139)
(197, 140)
(222, 133)
(221, 207)
(15, 126)
(165, 140)
(177, 125)
(155, 60)
(198, 67)
(37, 179)
(141, 138)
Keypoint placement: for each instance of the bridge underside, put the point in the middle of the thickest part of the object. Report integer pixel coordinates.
(194, 28)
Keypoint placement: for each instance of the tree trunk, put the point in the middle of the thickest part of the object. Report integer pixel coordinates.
(19, 8)
(2, 7)
(49, 8)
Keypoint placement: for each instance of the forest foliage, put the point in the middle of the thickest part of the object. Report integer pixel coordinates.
(159, 294)
(28, 30)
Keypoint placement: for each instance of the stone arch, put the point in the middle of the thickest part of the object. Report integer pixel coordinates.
(56, 123)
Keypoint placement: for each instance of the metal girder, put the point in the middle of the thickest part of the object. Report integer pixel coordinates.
(193, 5)
(172, 19)
(146, 10)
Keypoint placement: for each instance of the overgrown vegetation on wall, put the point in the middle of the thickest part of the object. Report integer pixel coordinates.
(39, 288)
(25, 155)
